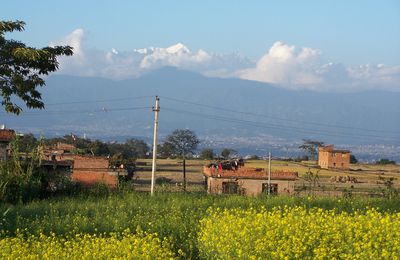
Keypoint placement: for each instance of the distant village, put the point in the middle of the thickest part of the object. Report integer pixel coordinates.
(224, 176)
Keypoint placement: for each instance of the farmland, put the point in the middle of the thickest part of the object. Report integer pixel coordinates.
(178, 223)
(370, 178)
(130, 223)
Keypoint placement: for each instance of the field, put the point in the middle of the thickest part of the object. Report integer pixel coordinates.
(370, 178)
(173, 224)
(197, 225)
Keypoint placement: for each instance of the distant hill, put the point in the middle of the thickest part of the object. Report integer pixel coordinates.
(285, 115)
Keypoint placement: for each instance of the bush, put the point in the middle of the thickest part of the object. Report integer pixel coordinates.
(385, 162)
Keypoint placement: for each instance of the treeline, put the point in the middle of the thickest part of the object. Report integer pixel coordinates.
(131, 148)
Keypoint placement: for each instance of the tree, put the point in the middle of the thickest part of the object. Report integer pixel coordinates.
(181, 143)
(385, 161)
(311, 147)
(225, 153)
(21, 69)
(207, 154)
(353, 159)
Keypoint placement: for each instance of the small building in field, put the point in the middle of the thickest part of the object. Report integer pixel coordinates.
(6, 136)
(84, 169)
(89, 170)
(248, 181)
(328, 158)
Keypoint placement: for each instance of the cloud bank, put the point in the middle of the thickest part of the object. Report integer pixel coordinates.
(284, 65)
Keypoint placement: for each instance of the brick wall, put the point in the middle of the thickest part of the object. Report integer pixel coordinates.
(334, 159)
(89, 170)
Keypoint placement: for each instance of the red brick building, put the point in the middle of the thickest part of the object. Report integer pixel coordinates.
(85, 169)
(6, 135)
(93, 169)
(248, 181)
(328, 157)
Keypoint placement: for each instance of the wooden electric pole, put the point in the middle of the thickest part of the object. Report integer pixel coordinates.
(156, 109)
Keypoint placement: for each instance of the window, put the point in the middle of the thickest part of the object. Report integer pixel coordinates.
(230, 187)
(334, 164)
(273, 188)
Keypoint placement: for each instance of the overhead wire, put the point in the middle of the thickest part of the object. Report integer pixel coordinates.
(276, 118)
(273, 126)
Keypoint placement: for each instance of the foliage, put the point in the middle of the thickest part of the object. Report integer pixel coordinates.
(353, 159)
(21, 68)
(298, 233)
(181, 143)
(311, 147)
(385, 162)
(254, 157)
(226, 153)
(174, 216)
(130, 149)
(86, 246)
(207, 154)
(20, 173)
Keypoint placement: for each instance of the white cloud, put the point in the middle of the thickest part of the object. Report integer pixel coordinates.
(288, 67)
(283, 65)
(125, 64)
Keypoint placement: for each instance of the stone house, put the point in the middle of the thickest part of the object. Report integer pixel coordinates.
(248, 181)
(328, 158)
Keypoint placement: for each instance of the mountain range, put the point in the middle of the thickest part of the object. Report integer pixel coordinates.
(224, 112)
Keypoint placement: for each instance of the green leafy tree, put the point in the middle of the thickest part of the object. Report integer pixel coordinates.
(226, 153)
(22, 69)
(181, 143)
(311, 147)
(98, 148)
(353, 159)
(207, 154)
(385, 161)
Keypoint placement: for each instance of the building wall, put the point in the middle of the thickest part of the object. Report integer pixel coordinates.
(89, 170)
(338, 160)
(250, 187)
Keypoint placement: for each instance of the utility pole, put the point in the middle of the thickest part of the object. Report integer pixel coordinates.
(156, 109)
(184, 173)
(269, 173)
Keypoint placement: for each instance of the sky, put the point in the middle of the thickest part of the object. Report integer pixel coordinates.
(318, 45)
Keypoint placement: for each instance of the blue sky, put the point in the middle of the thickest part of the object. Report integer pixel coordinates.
(352, 32)
(317, 45)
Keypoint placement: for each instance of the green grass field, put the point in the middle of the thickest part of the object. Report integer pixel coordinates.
(172, 216)
(130, 223)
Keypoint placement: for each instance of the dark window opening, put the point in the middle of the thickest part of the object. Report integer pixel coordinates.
(230, 188)
(273, 188)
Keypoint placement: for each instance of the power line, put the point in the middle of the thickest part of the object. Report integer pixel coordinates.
(275, 126)
(79, 111)
(277, 118)
(98, 101)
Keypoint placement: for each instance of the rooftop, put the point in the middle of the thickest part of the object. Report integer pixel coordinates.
(6, 135)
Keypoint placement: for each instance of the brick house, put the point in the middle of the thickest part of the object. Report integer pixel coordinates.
(89, 170)
(328, 157)
(85, 169)
(248, 181)
(6, 135)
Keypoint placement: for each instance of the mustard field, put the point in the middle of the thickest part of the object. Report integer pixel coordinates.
(135, 225)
